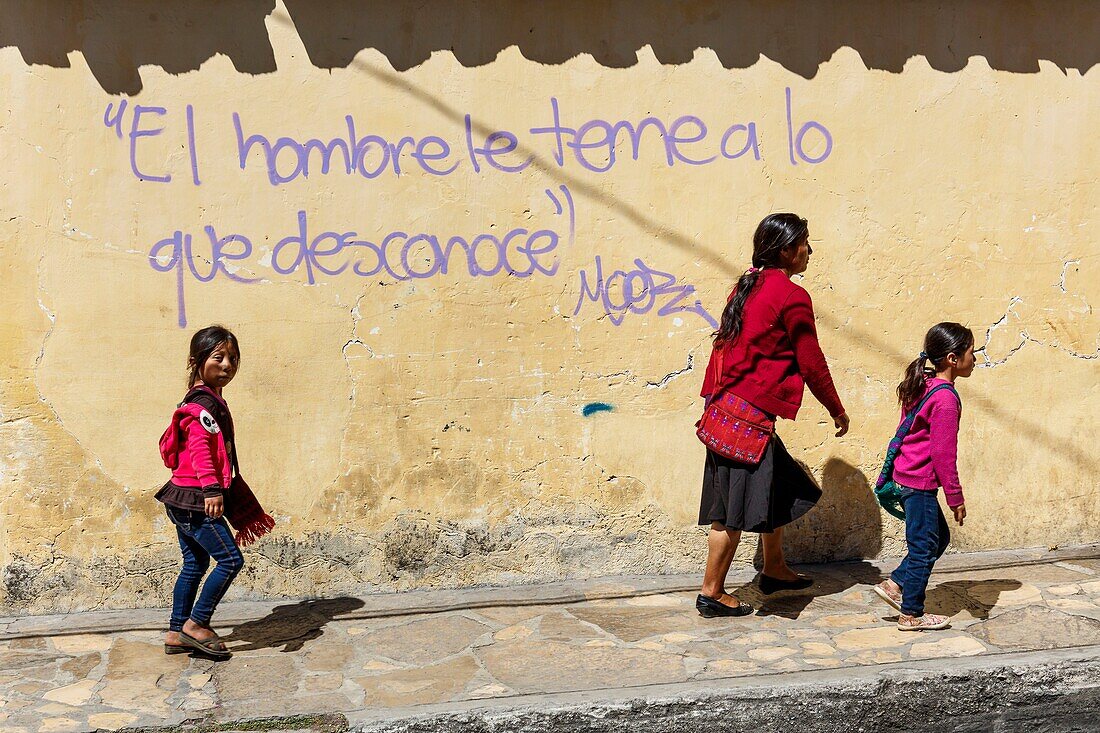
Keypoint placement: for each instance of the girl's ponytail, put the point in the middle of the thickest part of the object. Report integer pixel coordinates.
(941, 340)
(912, 385)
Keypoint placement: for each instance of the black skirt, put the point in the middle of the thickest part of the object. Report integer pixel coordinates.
(756, 498)
(191, 498)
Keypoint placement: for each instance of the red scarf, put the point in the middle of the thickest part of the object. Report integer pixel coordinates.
(244, 512)
(242, 508)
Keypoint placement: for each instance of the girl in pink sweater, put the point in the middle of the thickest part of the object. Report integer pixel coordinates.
(926, 462)
(198, 447)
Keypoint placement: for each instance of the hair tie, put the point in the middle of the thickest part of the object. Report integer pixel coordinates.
(752, 270)
(923, 355)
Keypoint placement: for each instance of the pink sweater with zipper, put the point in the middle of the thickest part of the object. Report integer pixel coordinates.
(929, 453)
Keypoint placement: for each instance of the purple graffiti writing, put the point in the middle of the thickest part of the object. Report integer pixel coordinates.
(369, 156)
(114, 118)
(638, 291)
(795, 142)
(398, 256)
(490, 151)
(595, 145)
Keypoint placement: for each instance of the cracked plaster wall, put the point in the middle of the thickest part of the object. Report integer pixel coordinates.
(431, 433)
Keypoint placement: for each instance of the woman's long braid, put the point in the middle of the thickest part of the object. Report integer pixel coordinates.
(774, 234)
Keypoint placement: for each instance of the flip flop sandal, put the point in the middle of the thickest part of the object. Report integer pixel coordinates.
(207, 646)
(176, 649)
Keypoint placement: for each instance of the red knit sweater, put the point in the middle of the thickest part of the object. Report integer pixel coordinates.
(777, 353)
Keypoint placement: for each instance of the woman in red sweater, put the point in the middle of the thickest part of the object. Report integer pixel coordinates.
(765, 352)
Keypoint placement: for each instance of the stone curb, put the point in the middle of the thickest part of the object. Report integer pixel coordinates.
(411, 603)
(1040, 692)
(1003, 692)
(322, 723)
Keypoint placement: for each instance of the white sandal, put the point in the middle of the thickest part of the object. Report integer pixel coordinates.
(927, 622)
(892, 598)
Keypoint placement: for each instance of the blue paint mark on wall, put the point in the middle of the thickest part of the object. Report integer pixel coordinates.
(593, 407)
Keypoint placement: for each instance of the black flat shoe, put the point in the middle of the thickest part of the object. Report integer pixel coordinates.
(769, 585)
(710, 608)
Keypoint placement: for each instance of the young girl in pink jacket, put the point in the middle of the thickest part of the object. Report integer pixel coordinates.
(927, 461)
(198, 446)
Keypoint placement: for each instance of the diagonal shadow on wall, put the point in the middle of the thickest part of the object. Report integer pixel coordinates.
(1011, 419)
(667, 234)
(117, 37)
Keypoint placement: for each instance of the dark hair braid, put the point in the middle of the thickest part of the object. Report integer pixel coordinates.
(774, 234)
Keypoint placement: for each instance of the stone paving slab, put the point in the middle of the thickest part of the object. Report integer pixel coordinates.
(306, 658)
(370, 606)
(1082, 558)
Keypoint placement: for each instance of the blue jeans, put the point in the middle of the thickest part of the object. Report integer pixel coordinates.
(927, 535)
(200, 539)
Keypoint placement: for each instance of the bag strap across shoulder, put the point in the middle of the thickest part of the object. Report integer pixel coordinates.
(911, 416)
(718, 388)
(718, 369)
(206, 399)
(892, 450)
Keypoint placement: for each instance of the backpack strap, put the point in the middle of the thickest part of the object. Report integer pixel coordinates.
(203, 397)
(906, 425)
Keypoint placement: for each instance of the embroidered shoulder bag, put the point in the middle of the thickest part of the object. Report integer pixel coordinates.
(733, 427)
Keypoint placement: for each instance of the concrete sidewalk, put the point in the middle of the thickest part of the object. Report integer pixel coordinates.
(593, 655)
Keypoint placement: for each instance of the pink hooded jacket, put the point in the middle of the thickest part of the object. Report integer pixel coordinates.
(200, 459)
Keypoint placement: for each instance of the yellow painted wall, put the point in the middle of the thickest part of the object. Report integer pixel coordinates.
(431, 431)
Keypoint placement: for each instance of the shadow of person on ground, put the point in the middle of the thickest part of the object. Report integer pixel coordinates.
(791, 604)
(845, 525)
(976, 597)
(290, 626)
